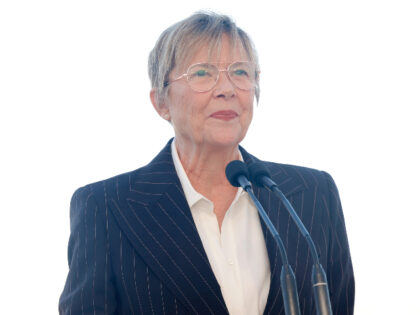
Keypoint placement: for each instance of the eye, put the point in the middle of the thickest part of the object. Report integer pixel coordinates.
(200, 73)
(240, 72)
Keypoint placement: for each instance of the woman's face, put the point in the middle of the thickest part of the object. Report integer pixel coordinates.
(218, 118)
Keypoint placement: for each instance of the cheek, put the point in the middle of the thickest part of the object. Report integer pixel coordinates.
(197, 107)
(177, 107)
(248, 118)
(248, 106)
(187, 112)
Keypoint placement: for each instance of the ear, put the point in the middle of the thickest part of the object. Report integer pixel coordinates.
(161, 107)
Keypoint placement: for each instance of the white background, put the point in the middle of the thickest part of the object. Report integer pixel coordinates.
(340, 88)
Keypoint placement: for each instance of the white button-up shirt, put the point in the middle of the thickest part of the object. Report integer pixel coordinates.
(237, 252)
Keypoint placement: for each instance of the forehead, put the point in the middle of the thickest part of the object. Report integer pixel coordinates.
(223, 51)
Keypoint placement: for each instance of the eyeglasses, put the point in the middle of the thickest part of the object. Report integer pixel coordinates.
(202, 77)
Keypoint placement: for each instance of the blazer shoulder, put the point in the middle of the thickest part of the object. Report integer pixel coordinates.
(98, 188)
(309, 176)
(103, 182)
(159, 172)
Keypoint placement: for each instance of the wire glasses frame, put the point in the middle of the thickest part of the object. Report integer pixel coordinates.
(202, 77)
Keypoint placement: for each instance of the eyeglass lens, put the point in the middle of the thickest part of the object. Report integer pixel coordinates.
(203, 77)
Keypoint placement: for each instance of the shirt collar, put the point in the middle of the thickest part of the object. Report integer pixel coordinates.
(191, 194)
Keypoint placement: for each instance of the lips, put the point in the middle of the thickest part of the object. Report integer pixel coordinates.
(225, 115)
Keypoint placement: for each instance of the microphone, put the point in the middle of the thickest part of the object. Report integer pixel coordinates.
(237, 175)
(261, 177)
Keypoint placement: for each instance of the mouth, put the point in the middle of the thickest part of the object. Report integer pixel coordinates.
(225, 115)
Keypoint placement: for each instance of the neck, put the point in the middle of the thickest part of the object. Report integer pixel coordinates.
(205, 165)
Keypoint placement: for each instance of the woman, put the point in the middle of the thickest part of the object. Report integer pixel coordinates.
(174, 236)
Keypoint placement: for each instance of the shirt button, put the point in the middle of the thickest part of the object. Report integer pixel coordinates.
(230, 262)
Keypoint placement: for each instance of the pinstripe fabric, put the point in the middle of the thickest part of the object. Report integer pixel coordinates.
(134, 248)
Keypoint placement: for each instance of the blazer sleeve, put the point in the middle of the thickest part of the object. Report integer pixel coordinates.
(89, 288)
(339, 268)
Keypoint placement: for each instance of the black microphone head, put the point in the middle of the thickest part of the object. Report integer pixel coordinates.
(235, 169)
(256, 170)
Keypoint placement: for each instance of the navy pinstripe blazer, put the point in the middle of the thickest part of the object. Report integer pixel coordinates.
(134, 247)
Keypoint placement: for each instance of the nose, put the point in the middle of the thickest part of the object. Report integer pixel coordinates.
(224, 87)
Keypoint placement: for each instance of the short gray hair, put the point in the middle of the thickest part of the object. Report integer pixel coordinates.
(180, 40)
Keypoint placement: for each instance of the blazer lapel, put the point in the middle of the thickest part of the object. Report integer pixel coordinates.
(155, 216)
(288, 184)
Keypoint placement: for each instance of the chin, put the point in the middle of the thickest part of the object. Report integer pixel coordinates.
(226, 135)
(226, 139)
